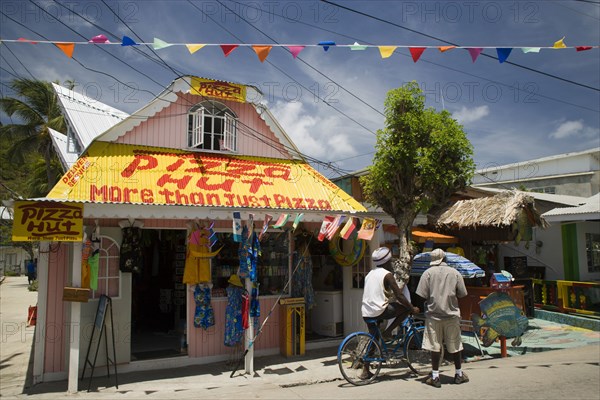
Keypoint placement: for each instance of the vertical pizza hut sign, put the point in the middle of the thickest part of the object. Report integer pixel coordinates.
(39, 220)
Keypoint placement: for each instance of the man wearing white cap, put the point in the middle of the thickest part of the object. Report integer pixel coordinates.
(375, 303)
(441, 286)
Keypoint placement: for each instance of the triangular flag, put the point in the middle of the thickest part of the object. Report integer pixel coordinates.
(297, 220)
(348, 228)
(530, 49)
(583, 48)
(66, 48)
(326, 44)
(357, 46)
(416, 52)
(446, 48)
(324, 226)
(99, 39)
(386, 51)
(262, 52)
(295, 50)
(127, 41)
(560, 44)
(268, 219)
(503, 53)
(26, 40)
(228, 48)
(283, 219)
(367, 230)
(160, 44)
(192, 48)
(474, 52)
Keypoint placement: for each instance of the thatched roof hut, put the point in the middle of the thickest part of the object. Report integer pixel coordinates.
(502, 210)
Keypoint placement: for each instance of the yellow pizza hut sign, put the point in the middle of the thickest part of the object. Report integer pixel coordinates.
(39, 220)
(218, 89)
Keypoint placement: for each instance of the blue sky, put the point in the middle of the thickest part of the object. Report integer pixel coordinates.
(331, 103)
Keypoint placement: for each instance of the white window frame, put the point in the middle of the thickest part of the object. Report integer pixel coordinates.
(103, 264)
(220, 115)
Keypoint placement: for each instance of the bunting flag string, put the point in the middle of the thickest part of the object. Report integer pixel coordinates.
(263, 50)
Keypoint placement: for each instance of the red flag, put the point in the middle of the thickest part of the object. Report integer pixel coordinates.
(326, 222)
(228, 48)
(583, 48)
(416, 52)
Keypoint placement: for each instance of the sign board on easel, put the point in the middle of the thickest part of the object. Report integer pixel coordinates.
(104, 306)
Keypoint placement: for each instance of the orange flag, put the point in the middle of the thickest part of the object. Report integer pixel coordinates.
(446, 48)
(262, 52)
(66, 48)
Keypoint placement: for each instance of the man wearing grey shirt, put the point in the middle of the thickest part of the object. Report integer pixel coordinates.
(441, 286)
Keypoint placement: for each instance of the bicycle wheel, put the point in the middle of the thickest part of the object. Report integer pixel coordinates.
(418, 360)
(356, 350)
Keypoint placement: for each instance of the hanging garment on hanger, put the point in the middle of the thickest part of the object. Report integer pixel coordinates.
(245, 310)
(85, 266)
(204, 316)
(131, 257)
(234, 330)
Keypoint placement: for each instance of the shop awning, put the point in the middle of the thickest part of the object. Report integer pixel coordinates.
(421, 235)
(114, 173)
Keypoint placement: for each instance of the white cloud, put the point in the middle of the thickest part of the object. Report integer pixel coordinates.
(574, 128)
(313, 134)
(467, 115)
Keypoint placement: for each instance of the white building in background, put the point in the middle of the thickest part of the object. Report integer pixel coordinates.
(12, 258)
(574, 174)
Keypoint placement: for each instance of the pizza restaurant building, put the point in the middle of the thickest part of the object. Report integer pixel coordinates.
(198, 165)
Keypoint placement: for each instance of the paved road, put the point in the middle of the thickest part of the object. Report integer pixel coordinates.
(570, 373)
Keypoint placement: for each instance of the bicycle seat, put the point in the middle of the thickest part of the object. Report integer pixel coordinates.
(373, 320)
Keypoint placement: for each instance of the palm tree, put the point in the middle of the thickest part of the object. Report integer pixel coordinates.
(36, 107)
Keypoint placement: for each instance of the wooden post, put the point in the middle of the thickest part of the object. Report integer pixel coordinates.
(503, 346)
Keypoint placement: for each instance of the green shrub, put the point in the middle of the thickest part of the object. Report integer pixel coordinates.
(33, 286)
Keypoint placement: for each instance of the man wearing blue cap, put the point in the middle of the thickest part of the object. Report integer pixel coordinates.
(375, 302)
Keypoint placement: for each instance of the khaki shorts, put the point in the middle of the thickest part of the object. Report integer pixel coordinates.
(446, 331)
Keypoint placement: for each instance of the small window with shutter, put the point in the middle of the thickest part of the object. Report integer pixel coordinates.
(212, 126)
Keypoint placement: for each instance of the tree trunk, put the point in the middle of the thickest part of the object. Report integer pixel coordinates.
(404, 223)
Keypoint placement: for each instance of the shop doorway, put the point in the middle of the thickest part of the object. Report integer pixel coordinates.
(158, 302)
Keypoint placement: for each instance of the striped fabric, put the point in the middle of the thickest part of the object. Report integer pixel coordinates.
(467, 268)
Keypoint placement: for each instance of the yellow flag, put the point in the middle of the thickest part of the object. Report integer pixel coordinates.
(559, 44)
(386, 51)
(192, 48)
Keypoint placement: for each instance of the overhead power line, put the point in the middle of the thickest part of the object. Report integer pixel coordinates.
(537, 71)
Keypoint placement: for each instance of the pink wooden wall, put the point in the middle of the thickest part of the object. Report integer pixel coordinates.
(168, 128)
(203, 343)
(55, 332)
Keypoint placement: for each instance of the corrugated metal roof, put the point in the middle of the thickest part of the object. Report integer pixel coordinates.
(590, 209)
(59, 140)
(552, 198)
(128, 174)
(88, 117)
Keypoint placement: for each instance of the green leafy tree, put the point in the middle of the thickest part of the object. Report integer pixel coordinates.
(36, 108)
(422, 157)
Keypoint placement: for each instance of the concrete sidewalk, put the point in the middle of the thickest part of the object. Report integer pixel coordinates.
(275, 376)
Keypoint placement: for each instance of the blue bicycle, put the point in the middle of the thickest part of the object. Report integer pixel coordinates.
(360, 348)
